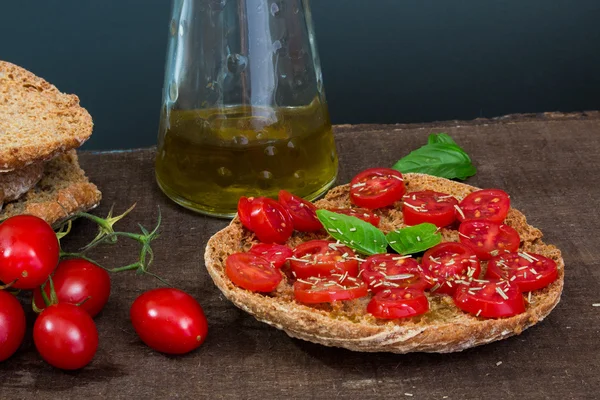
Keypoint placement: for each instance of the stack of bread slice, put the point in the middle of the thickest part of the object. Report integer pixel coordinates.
(40, 128)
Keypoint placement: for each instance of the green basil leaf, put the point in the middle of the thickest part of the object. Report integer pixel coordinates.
(414, 239)
(438, 159)
(353, 232)
(440, 138)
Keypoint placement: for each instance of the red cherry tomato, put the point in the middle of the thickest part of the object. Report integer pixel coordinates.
(169, 320)
(303, 212)
(65, 336)
(323, 258)
(488, 239)
(12, 325)
(488, 204)
(29, 251)
(429, 206)
(328, 289)
(78, 281)
(270, 221)
(252, 272)
(361, 213)
(526, 270)
(448, 262)
(490, 299)
(398, 303)
(276, 254)
(244, 209)
(376, 188)
(387, 271)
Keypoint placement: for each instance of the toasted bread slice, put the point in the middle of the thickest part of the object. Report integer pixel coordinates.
(37, 121)
(445, 328)
(16, 183)
(63, 191)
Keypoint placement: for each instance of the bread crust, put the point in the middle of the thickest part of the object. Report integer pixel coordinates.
(16, 183)
(37, 121)
(447, 329)
(62, 191)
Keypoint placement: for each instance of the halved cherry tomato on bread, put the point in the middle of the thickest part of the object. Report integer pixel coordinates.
(386, 271)
(448, 262)
(488, 239)
(270, 221)
(429, 206)
(328, 289)
(244, 209)
(323, 258)
(303, 212)
(398, 303)
(526, 270)
(488, 204)
(376, 188)
(276, 254)
(252, 272)
(360, 213)
(490, 298)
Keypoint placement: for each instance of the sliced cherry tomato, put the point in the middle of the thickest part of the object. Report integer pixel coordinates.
(361, 213)
(429, 206)
(489, 204)
(448, 262)
(12, 325)
(78, 281)
(303, 212)
(323, 258)
(65, 336)
(526, 270)
(29, 251)
(329, 289)
(376, 188)
(169, 320)
(270, 221)
(252, 272)
(276, 254)
(398, 303)
(386, 271)
(489, 298)
(244, 209)
(488, 239)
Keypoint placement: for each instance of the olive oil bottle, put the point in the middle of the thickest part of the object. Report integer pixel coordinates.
(209, 158)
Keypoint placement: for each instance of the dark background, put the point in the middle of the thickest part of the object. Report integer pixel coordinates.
(383, 61)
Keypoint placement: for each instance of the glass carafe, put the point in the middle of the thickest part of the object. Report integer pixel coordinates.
(244, 111)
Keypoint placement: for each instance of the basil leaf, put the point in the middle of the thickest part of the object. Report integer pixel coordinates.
(414, 239)
(353, 232)
(439, 159)
(440, 138)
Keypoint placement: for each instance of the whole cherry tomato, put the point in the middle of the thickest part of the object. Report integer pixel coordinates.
(29, 251)
(12, 325)
(78, 281)
(169, 320)
(65, 336)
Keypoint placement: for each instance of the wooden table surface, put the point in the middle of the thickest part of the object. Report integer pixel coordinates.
(548, 163)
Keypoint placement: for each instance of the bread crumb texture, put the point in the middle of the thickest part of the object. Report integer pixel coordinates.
(37, 121)
(445, 328)
(62, 191)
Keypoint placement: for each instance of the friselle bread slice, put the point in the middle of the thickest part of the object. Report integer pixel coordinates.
(37, 121)
(16, 183)
(63, 191)
(445, 328)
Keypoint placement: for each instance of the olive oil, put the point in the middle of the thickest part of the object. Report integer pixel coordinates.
(208, 158)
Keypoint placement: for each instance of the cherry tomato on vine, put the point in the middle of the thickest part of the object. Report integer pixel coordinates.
(12, 325)
(78, 281)
(169, 320)
(29, 251)
(376, 188)
(65, 336)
